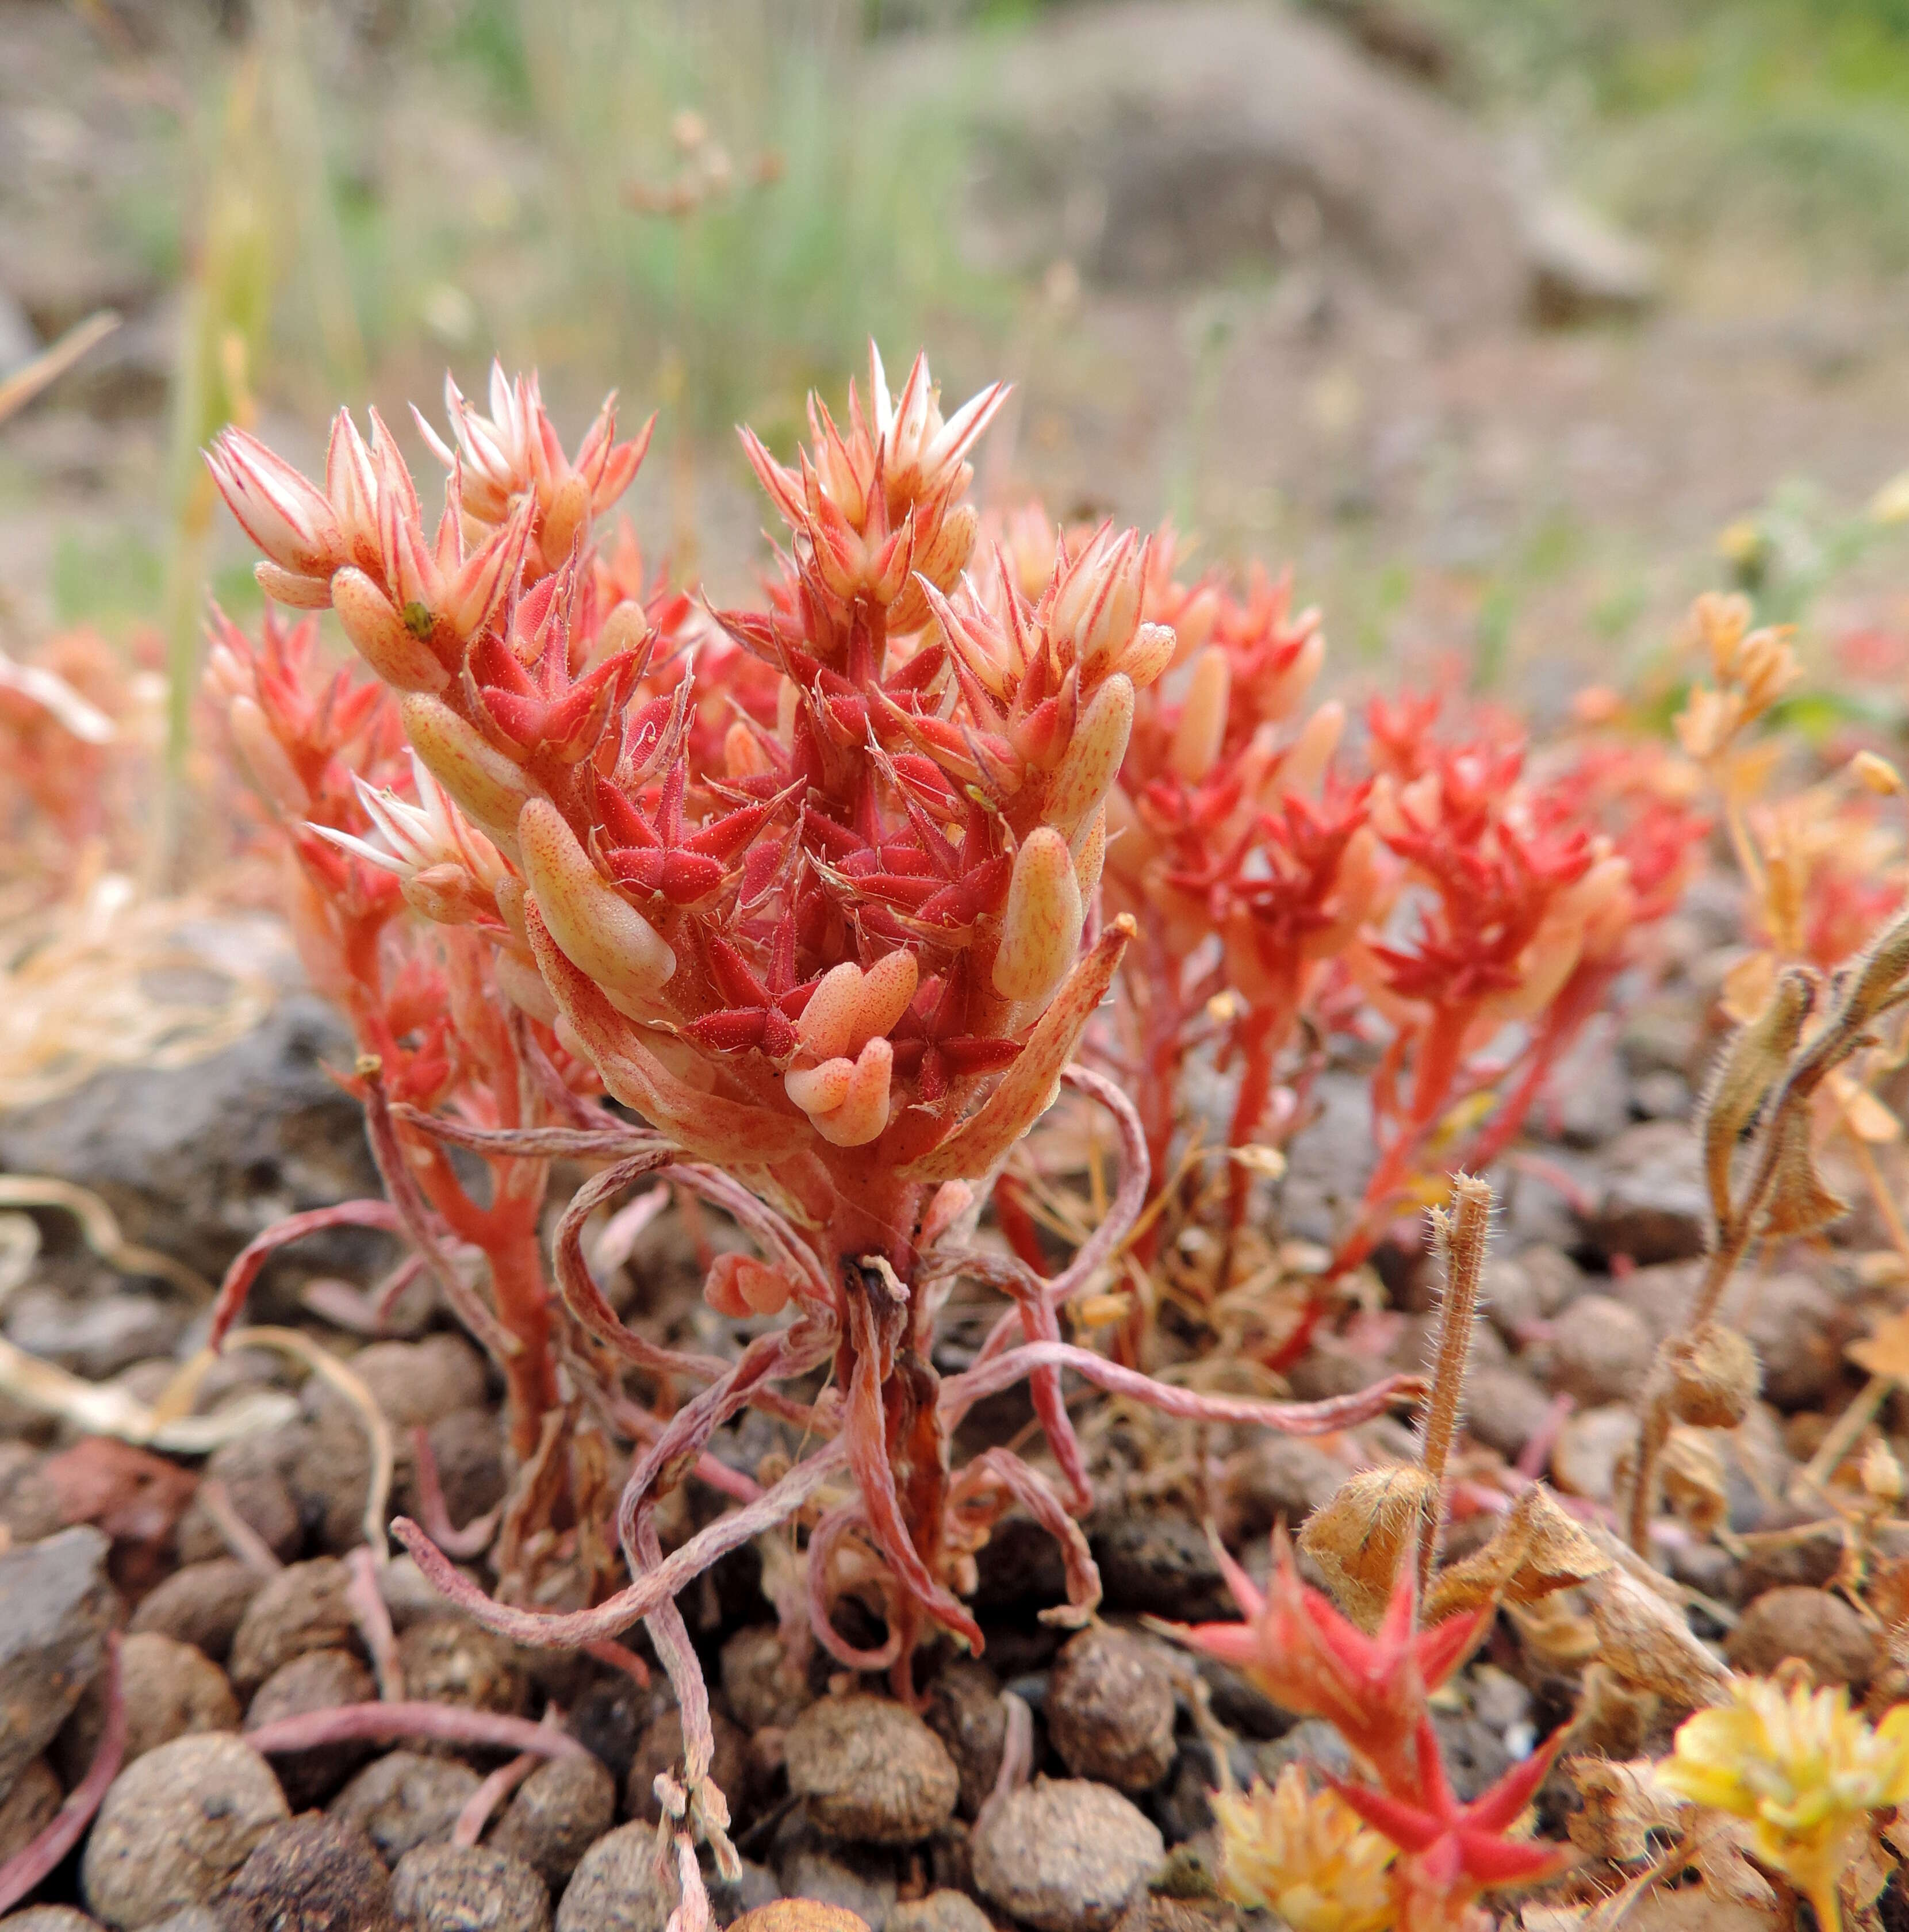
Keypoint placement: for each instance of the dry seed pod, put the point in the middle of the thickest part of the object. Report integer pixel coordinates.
(1358, 1537)
(1648, 1646)
(1799, 1204)
(1537, 1549)
(1713, 1375)
(1691, 1471)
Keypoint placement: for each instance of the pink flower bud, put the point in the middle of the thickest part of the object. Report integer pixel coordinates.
(599, 931)
(288, 519)
(1041, 931)
(485, 784)
(1154, 648)
(1202, 728)
(382, 638)
(521, 984)
(352, 484)
(266, 759)
(864, 1112)
(887, 987)
(738, 1286)
(1305, 764)
(1092, 760)
(288, 587)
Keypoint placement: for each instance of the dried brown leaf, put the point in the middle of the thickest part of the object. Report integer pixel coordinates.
(1799, 1203)
(1358, 1537)
(1623, 1804)
(1647, 1644)
(1537, 1549)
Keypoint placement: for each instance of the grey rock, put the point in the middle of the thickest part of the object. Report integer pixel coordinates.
(1158, 143)
(170, 1689)
(309, 1874)
(98, 1336)
(1278, 1479)
(870, 1770)
(1654, 1206)
(1152, 1564)
(964, 1709)
(1065, 1855)
(197, 1160)
(943, 1911)
(467, 1888)
(55, 1608)
(415, 1384)
(1519, 1291)
(175, 1826)
(1313, 1741)
(1586, 1101)
(405, 1799)
(1590, 1448)
(1474, 1754)
(320, 1680)
(1505, 1408)
(49, 1918)
(857, 1878)
(620, 1886)
(760, 1684)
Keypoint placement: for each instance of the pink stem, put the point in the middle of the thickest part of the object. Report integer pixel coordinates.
(488, 1795)
(1003, 1468)
(532, 1143)
(573, 1629)
(874, 1477)
(372, 1614)
(32, 1864)
(385, 1724)
(246, 1263)
(608, 1650)
(960, 1393)
(474, 1538)
(822, 1541)
(645, 1427)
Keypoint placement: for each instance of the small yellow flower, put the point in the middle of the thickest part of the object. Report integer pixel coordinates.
(1305, 1855)
(1803, 1768)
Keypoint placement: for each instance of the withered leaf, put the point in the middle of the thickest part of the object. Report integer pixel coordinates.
(1360, 1538)
(1799, 1204)
(1623, 1804)
(1647, 1643)
(1536, 1549)
(1886, 1351)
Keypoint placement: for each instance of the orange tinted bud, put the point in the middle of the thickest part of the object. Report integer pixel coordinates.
(1154, 648)
(290, 586)
(1090, 851)
(1202, 728)
(738, 1286)
(1092, 760)
(846, 1102)
(485, 784)
(568, 513)
(381, 636)
(1041, 931)
(266, 759)
(598, 931)
(1305, 765)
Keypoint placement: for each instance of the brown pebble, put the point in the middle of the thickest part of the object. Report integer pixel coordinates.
(49, 1918)
(202, 1604)
(1505, 1408)
(309, 1874)
(620, 1886)
(175, 1826)
(250, 1471)
(1821, 1629)
(28, 1808)
(321, 1680)
(762, 1685)
(405, 1799)
(1278, 1479)
(467, 1888)
(559, 1812)
(468, 1446)
(302, 1608)
(801, 1915)
(1601, 1351)
(415, 1384)
(1065, 1855)
(171, 1690)
(870, 1769)
(660, 1749)
(1109, 1709)
(329, 1470)
(447, 1661)
(965, 1712)
(943, 1911)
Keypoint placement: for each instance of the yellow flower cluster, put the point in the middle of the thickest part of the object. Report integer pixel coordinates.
(1305, 1855)
(1803, 1768)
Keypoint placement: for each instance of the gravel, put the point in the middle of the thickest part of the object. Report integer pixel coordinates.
(1065, 1855)
(869, 1770)
(55, 1608)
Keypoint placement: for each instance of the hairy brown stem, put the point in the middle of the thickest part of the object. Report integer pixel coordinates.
(1464, 1234)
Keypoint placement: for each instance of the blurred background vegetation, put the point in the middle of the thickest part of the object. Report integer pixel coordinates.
(711, 204)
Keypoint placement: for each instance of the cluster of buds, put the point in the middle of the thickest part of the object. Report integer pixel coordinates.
(1375, 1689)
(814, 890)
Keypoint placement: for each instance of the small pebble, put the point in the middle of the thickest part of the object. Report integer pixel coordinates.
(1065, 1855)
(870, 1770)
(1313, 1741)
(56, 1606)
(175, 1826)
(28, 1808)
(1110, 1709)
(49, 1918)
(965, 1712)
(618, 1886)
(415, 1384)
(309, 1874)
(943, 1911)
(860, 1878)
(1278, 1479)
(405, 1799)
(202, 1604)
(321, 1680)
(467, 1888)
(171, 1691)
(448, 1661)
(761, 1686)
(801, 1915)
(1519, 1292)
(301, 1609)
(1601, 1351)
(1505, 1408)
(256, 1486)
(408, 1595)
(559, 1812)
(467, 1445)
(660, 1749)
(1821, 1629)
(1590, 1446)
